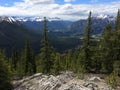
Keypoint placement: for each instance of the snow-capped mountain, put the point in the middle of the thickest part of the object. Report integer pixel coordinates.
(104, 16)
(8, 19)
(99, 22)
(39, 19)
(57, 24)
(24, 19)
(35, 23)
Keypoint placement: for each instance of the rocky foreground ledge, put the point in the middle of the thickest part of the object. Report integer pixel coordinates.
(64, 81)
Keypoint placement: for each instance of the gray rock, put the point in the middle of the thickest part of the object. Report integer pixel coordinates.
(64, 81)
(95, 79)
(92, 86)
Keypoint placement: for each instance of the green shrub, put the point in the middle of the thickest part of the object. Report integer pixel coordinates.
(113, 80)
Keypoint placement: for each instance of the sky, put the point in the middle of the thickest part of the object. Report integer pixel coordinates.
(64, 9)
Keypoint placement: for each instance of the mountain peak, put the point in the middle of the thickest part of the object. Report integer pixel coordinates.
(8, 19)
(24, 19)
(104, 16)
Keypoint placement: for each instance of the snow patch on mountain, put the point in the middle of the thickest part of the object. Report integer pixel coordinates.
(25, 19)
(104, 16)
(8, 19)
(12, 19)
(37, 19)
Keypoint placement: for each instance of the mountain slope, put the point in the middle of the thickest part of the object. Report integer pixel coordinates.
(52, 25)
(14, 35)
(15, 32)
(98, 24)
(63, 35)
(36, 23)
(58, 25)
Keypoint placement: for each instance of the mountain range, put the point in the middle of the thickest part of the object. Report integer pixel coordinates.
(15, 30)
(36, 23)
(14, 34)
(98, 24)
(57, 25)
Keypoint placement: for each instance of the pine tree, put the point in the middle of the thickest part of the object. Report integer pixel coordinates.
(30, 67)
(116, 67)
(68, 63)
(74, 62)
(33, 61)
(96, 58)
(116, 39)
(106, 50)
(5, 73)
(27, 64)
(14, 59)
(47, 61)
(85, 54)
(57, 65)
(117, 22)
(21, 65)
(81, 69)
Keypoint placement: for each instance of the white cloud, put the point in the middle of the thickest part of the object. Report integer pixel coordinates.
(39, 1)
(49, 8)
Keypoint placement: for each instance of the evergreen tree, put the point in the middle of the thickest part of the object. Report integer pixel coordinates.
(33, 61)
(85, 54)
(5, 73)
(21, 65)
(75, 62)
(81, 69)
(116, 40)
(27, 64)
(30, 66)
(96, 58)
(117, 22)
(116, 67)
(14, 59)
(68, 59)
(57, 65)
(47, 60)
(106, 48)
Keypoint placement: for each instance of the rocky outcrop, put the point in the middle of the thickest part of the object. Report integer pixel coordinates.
(64, 81)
